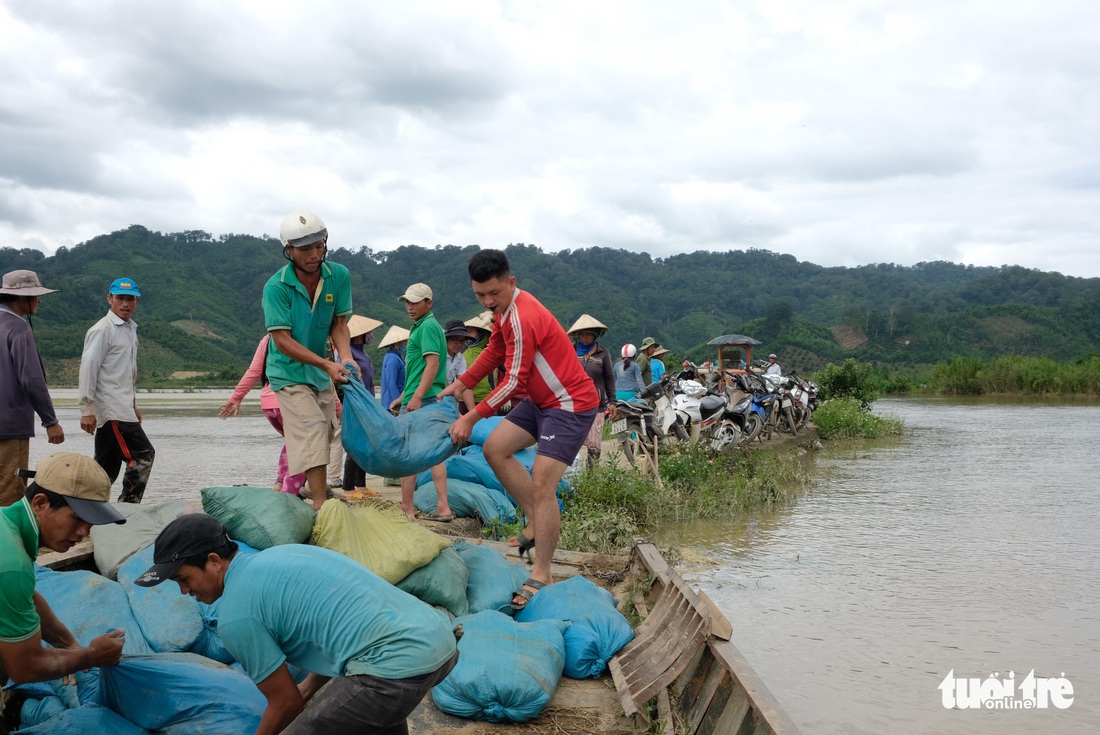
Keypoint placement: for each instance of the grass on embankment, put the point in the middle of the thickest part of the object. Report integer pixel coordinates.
(843, 418)
(610, 504)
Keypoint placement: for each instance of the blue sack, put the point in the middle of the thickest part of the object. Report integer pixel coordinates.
(182, 693)
(441, 582)
(471, 466)
(169, 621)
(84, 720)
(395, 446)
(506, 671)
(492, 580)
(597, 629)
(90, 605)
(467, 500)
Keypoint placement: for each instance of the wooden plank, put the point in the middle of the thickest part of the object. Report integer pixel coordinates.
(78, 554)
(764, 702)
(720, 626)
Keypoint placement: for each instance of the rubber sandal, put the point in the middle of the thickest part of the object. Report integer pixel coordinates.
(525, 593)
(438, 519)
(524, 545)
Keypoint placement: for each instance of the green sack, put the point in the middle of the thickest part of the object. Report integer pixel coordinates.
(378, 535)
(259, 516)
(442, 582)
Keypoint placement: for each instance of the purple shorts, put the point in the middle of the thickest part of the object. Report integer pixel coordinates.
(560, 433)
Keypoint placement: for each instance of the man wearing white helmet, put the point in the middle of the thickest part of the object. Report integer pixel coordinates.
(773, 366)
(306, 303)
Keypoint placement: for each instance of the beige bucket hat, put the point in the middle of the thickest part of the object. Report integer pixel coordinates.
(587, 323)
(394, 336)
(483, 321)
(24, 283)
(362, 324)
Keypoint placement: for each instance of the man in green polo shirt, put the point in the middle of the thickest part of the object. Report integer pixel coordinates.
(67, 497)
(425, 377)
(306, 303)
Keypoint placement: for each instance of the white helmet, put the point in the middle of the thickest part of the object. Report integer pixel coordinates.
(301, 228)
(629, 351)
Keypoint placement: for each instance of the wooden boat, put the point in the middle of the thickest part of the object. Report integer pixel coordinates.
(681, 674)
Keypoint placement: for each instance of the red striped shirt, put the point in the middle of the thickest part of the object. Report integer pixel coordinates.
(539, 360)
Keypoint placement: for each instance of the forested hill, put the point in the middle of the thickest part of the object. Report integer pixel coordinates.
(200, 309)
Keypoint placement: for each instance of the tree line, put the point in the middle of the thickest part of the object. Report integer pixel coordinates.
(200, 309)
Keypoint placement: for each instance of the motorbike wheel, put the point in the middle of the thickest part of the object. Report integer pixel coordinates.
(753, 425)
(680, 433)
(637, 451)
(788, 420)
(725, 435)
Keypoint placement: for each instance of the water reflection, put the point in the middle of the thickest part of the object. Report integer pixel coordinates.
(970, 545)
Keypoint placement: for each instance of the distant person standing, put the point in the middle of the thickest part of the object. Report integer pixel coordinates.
(22, 382)
(657, 365)
(596, 361)
(773, 366)
(107, 397)
(393, 374)
(645, 351)
(425, 377)
(360, 328)
(479, 328)
(457, 338)
(306, 303)
(628, 375)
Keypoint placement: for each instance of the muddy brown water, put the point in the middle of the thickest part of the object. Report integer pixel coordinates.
(971, 545)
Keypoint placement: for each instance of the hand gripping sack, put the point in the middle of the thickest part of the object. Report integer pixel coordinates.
(506, 671)
(597, 629)
(395, 446)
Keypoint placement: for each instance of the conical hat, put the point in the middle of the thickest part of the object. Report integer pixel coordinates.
(394, 336)
(588, 323)
(362, 324)
(484, 321)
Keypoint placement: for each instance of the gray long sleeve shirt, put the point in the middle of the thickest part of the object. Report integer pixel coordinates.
(22, 380)
(108, 370)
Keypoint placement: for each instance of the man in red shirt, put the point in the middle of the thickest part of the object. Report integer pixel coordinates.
(557, 412)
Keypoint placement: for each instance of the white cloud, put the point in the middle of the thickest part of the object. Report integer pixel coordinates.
(842, 132)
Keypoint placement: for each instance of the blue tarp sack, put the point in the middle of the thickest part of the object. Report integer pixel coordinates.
(90, 605)
(472, 466)
(260, 516)
(597, 629)
(506, 671)
(492, 579)
(182, 693)
(169, 621)
(467, 500)
(87, 720)
(442, 582)
(395, 446)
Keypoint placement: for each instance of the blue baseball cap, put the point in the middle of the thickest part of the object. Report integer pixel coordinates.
(124, 286)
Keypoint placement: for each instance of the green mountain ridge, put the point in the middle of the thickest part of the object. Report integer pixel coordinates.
(200, 310)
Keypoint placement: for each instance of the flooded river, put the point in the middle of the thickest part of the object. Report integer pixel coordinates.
(970, 546)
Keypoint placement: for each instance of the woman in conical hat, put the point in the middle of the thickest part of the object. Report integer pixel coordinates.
(393, 364)
(361, 329)
(597, 363)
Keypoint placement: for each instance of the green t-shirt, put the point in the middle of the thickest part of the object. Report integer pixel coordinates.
(483, 388)
(287, 305)
(426, 338)
(647, 372)
(18, 549)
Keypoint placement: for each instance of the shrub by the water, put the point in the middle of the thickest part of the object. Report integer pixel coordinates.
(845, 418)
(850, 380)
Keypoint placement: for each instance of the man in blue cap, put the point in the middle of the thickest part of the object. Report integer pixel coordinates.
(108, 401)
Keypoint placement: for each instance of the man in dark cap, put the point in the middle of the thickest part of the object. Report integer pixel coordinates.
(67, 497)
(382, 648)
(22, 382)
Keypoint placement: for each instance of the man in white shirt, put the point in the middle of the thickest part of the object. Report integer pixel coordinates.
(108, 401)
(773, 366)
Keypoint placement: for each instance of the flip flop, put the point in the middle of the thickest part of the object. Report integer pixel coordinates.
(524, 545)
(525, 593)
(438, 519)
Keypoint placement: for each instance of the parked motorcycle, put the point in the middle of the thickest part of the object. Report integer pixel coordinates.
(704, 412)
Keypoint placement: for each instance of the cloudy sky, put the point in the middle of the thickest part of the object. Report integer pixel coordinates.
(842, 132)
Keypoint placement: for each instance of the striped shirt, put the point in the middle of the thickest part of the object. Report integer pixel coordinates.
(539, 360)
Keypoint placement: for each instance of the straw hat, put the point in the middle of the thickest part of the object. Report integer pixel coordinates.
(587, 323)
(659, 351)
(483, 321)
(394, 336)
(362, 324)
